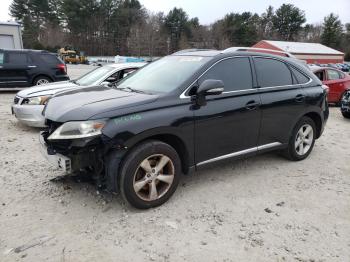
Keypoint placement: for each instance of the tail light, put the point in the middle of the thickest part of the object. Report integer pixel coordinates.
(62, 67)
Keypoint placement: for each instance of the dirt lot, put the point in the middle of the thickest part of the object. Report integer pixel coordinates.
(260, 209)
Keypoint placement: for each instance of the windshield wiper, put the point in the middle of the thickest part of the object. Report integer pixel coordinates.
(74, 82)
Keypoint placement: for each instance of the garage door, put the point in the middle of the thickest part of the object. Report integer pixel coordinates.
(7, 42)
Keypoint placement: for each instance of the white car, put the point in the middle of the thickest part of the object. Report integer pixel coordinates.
(29, 103)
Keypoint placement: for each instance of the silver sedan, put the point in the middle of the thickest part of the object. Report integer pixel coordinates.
(28, 104)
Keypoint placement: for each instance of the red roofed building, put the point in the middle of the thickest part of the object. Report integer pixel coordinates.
(312, 53)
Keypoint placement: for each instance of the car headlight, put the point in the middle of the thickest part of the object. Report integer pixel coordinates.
(36, 100)
(78, 129)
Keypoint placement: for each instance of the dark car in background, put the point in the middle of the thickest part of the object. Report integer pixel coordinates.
(345, 105)
(181, 113)
(24, 68)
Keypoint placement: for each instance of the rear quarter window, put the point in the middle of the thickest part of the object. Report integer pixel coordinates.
(272, 72)
(50, 59)
(300, 77)
(1, 58)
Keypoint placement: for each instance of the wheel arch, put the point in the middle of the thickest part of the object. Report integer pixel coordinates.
(317, 120)
(178, 144)
(39, 75)
(170, 138)
(115, 157)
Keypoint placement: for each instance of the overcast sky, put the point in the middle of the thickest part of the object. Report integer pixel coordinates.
(208, 10)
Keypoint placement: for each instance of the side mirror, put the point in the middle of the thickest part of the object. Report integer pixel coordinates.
(211, 87)
(111, 79)
(207, 88)
(107, 84)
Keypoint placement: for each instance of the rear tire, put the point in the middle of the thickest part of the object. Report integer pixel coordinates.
(302, 140)
(150, 174)
(341, 98)
(41, 80)
(346, 114)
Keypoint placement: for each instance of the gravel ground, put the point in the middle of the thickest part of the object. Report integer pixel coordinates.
(259, 209)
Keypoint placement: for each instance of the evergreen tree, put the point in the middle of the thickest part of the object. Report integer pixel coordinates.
(176, 23)
(332, 31)
(241, 29)
(288, 21)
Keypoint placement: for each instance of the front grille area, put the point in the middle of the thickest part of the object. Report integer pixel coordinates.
(16, 100)
(52, 126)
(59, 146)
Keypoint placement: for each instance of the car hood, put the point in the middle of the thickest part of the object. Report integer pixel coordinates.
(88, 103)
(48, 89)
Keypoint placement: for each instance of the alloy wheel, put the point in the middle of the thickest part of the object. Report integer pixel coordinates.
(304, 139)
(154, 177)
(42, 82)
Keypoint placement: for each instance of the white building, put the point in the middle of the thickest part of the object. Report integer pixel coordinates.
(10, 35)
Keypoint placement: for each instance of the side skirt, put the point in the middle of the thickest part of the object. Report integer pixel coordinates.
(258, 149)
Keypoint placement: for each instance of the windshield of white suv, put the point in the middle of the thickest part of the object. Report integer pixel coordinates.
(93, 76)
(164, 75)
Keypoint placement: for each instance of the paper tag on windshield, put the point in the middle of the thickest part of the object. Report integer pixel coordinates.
(191, 59)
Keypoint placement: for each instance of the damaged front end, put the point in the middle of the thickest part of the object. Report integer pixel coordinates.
(74, 153)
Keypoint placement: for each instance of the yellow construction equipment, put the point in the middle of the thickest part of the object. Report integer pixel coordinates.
(71, 56)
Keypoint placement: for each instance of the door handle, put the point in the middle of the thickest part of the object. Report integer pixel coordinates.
(251, 105)
(32, 66)
(300, 98)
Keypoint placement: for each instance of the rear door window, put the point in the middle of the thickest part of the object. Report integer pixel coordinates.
(234, 72)
(271, 72)
(17, 58)
(333, 75)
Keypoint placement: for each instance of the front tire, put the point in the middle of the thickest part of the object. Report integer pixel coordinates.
(150, 174)
(302, 140)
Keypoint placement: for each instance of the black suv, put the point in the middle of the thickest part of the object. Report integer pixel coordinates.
(345, 104)
(181, 113)
(22, 68)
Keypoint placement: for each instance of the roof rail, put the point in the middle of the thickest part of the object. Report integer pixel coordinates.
(257, 49)
(25, 50)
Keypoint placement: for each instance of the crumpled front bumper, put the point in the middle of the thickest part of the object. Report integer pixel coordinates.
(74, 155)
(57, 160)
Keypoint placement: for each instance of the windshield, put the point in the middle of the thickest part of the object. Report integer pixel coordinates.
(93, 76)
(164, 75)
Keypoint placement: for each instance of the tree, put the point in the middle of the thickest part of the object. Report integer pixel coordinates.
(176, 23)
(19, 9)
(311, 33)
(125, 27)
(241, 29)
(265, 30)
(346, 42)
(332, 31)
(36, 16)
(288, 21)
